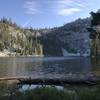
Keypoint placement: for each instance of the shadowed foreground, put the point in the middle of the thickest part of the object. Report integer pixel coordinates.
(84, 88)
(52, 93)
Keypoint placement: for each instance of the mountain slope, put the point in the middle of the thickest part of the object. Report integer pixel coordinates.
(73, 37)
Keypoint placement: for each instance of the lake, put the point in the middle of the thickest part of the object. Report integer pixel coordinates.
(47, 67)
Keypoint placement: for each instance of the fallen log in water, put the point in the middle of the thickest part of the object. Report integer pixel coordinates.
(61, 82)
(12, 78)
(54, 81)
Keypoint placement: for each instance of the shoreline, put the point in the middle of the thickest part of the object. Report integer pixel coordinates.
(9, 54)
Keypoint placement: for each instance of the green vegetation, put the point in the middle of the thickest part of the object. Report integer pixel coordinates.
(72, 50)
(95, 34)
(45, 94)
(15, 39)
(52, 93)
(96, 18)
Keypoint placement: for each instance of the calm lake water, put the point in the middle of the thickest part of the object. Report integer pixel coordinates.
(47, 67)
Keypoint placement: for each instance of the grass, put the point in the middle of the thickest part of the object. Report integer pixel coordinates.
(52, 93)
(44, 93)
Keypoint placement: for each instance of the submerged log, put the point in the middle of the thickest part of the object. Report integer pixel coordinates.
(61, 82)
(55, 81)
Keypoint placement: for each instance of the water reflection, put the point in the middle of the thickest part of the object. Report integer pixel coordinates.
(47, 67)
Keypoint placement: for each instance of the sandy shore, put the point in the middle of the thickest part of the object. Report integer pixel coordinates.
(7, 53)
(2, 54)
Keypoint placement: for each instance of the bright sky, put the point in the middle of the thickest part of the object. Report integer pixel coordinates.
(46, 13)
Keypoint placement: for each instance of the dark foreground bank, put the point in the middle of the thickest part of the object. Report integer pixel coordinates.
(50, 93)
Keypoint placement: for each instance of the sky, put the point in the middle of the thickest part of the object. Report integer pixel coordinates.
(46, 13)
